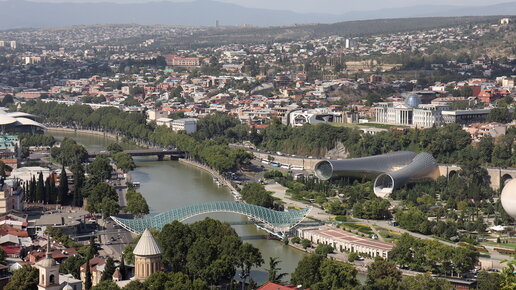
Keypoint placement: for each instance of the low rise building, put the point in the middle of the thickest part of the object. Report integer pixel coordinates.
(465, 117)
(343, 241)
(188, 125)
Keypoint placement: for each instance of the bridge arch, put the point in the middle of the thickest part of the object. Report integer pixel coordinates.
(273, 221)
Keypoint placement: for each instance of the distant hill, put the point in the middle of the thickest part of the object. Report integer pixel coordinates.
(25, 14)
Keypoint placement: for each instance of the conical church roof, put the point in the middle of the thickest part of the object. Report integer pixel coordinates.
(147, 245)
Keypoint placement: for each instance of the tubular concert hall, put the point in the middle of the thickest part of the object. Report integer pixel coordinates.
(391, 171)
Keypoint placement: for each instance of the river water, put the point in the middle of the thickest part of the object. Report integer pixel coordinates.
(170, 184)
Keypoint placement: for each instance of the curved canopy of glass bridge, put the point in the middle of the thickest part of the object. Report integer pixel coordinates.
(271, 220)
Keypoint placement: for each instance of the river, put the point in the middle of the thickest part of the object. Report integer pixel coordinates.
(170, 184)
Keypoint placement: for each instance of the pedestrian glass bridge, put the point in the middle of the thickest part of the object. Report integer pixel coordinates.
(275, 222)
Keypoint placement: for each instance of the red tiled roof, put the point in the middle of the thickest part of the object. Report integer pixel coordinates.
(8, 230)
(274, 286)
(11, 250)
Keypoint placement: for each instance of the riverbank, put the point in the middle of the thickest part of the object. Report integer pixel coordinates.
(83, 131)
(214, 173)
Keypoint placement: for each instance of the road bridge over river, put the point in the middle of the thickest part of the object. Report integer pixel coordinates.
(160, 153)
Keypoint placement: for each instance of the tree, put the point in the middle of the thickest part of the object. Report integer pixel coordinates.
(336, 275)
(273, 271)
(136, 203)
(489, 281)
(352, 257)
(78, 181)
(248, 257)
(109, 270)
(114, 148)
(305, 243)
(63, 186)
(40, 188)
(135, 285)
(124, 161)
(109, 207)
(307, 271)
(72, 266)
(106, 285)
(88, 282)
(122, 268)
(426, 282)
(324, 250)
(500, 115)
(382, 275)
(255, 193)
(100, 169)
(25, 278)
(100, 193)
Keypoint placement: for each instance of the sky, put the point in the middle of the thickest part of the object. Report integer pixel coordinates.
(323, 6)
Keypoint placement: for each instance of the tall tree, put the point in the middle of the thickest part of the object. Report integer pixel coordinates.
(40, 188)
(307, 271)
(88, 283)
(273, 270)
(32, 189)
(25, 278)
(63, 186)
(248, 257)
(78, 181)
(109, 270)
(383, 275)
(48, 191)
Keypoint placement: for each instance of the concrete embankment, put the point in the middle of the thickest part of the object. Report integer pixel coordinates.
(82, 131)
(219, 177)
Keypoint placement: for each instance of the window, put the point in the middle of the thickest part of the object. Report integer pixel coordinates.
(52, 280)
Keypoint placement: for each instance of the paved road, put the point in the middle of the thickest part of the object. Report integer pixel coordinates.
(279, 191)
(114, 244)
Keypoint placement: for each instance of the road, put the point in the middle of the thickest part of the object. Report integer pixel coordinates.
(279, 191)
(113, 244)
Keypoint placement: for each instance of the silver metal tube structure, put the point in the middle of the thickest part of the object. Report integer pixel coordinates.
(390, 171)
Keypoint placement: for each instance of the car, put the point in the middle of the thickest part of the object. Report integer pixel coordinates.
(108, 243)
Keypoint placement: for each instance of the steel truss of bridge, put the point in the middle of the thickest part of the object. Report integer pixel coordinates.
(278, 223)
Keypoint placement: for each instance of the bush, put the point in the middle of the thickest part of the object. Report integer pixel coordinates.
(352, 257)
(296, 240)
(324, 250)
(306, 243)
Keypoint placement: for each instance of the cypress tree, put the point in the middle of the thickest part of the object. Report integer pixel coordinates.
(53, 190)
(32, 189)
(78, 178)
(122, 267)
(63, 186)
(87, 282)
(109, 269)
(40, 188)
(48, 194)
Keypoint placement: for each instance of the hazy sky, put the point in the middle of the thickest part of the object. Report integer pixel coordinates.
(323, 6)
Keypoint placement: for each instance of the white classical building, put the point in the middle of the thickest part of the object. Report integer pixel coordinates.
(343, 241)
(410, 113)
